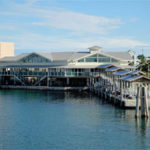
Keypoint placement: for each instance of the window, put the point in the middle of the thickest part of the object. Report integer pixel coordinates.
(81, 60)
(114, 60)
(35, 59)
(98, 58)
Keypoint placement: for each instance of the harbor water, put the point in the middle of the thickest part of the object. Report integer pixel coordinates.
(58, 120)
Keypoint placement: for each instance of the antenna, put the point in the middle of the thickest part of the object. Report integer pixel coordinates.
(142, 51)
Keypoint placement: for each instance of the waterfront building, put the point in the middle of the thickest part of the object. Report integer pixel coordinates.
(60, 69)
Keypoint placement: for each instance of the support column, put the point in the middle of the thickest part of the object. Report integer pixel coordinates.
(88, 82)
(137, 102)
(68, 81)
(47, 81)
(50, 82)
(143, 102)
(121, 94)
(146, 102)
(142, 96)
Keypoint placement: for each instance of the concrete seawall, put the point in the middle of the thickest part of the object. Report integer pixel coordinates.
(45, 88)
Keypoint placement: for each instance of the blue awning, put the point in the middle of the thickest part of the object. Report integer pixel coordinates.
(133, 78)
(112, 69)
(135, 72)
(126, 77)
(105, 66)
(122, 72)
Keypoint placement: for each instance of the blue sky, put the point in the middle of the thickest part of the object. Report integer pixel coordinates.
(74, 25)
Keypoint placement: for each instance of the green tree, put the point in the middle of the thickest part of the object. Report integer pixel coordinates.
(144, 64)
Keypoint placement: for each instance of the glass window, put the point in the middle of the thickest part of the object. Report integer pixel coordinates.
(104, 59)
(81, 60)
(91, 59)
(35, 59)
(99, 55)
(98, 58)
(114, 60)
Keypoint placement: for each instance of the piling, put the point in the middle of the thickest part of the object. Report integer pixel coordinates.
(142, 99)
(137, 102)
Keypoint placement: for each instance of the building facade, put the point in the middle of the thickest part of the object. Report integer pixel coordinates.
(59, 69)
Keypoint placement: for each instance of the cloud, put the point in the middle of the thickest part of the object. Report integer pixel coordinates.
(134, 19)
(29, 42)
(78, 22)
(63, 19)
(34, 29)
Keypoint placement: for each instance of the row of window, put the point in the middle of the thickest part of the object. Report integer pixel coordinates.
(98, 58)
(93, 58)
(35, 59)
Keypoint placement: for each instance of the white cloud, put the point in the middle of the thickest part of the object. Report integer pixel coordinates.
(64, 19)
(134, 19)
(78, 26)
(78, 22)
(35, 42)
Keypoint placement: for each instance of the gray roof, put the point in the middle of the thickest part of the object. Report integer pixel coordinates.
(120, 55)
(54, 56)
(14, 58)
(68, 56)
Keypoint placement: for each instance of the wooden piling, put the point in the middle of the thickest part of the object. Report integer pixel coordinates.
(146, 102)
(143, 112)
(142, 97)
(137, 102)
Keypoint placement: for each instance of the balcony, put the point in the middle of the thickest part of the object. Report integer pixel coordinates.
(50, 74)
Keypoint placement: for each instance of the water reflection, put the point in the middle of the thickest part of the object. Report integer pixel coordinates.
(141, 126)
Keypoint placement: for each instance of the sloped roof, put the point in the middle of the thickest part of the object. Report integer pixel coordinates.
(112, 69)
(54, 56)
(126, 77)
(14, 58)
(135, 72)
(105, 66)
(134, 78)
(120, 55)
(68, 56)
(122, 72)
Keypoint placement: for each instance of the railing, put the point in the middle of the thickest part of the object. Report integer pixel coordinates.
(61, 74)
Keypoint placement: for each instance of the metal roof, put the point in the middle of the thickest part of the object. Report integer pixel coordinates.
(137, 72)
(68, 56)
(126, 77)
(112, 69)
(105, 66)
(120, 55)
(133, 78)
(121, 73)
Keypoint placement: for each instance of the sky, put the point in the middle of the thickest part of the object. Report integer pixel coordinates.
(75, 25)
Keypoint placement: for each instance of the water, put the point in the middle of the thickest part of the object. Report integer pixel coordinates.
(45, 120)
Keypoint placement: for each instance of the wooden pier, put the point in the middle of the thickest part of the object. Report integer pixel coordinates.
(119, 87)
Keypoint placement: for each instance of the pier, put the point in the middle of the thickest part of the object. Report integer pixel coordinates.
(120, 87)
